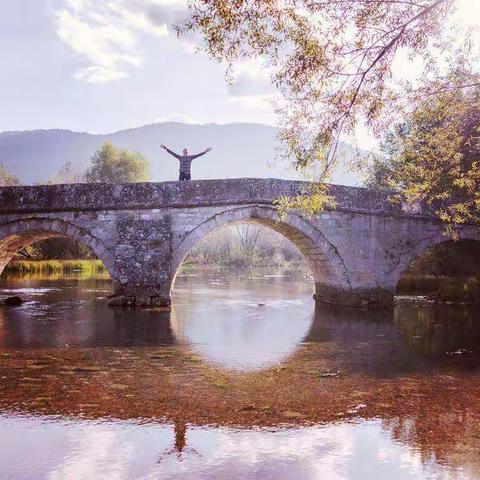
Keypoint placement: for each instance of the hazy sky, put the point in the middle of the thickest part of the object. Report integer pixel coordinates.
(104, 65)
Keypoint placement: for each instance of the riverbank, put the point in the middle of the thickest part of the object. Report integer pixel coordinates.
(291, 270)
(55, 267)
(255, 259)
(441, 289)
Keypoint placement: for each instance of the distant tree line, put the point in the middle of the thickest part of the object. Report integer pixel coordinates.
(246, 245)
(109, 164)
(113, 165)
(451, 259)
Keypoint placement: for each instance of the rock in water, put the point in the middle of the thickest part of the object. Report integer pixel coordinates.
(13, 301)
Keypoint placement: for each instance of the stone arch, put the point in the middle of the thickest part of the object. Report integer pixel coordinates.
(323, 258)
(436, 239)
(21, 233)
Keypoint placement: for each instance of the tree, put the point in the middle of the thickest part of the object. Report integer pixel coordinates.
(8, 179)
(248, 235)
(330, 60)
(433, 156)
(112, 165)
(66, 175)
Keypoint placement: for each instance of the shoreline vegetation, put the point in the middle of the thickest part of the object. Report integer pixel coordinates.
(440, 288)
(432, 288)
(257, 262)
(79, 267)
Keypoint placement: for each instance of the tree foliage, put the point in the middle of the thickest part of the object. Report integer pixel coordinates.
(433, 156)
(451, 259)
(8, 179)
(330, 60)
(66, 174)
(311, 201)
(113, 165)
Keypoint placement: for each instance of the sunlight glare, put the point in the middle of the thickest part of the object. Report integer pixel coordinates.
(468, 12)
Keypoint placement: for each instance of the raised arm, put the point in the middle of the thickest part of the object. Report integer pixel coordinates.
(200, 154)
(171, 152)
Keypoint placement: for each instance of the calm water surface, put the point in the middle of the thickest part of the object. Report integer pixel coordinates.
(246, 378)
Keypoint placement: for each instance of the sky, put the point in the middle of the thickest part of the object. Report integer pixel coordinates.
(105, 65)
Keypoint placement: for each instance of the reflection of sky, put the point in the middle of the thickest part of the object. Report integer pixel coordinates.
(247, 324)
(234, 321)
(38, 448)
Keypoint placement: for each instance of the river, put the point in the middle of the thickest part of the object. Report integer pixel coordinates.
(246, 378)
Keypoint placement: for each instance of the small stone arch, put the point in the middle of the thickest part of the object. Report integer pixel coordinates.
(436, 239)
(323, 258)
(21, 233)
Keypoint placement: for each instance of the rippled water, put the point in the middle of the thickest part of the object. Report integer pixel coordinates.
(246, 378)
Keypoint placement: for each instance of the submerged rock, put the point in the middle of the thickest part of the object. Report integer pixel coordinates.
(13, 301)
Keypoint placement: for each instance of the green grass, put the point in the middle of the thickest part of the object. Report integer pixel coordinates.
(52, 267)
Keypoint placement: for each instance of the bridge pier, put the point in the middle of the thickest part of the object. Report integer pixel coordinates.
(141, 286)
(139, 298)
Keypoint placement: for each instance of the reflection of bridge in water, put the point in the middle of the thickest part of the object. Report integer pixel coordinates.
(142, 232)
(408, 337)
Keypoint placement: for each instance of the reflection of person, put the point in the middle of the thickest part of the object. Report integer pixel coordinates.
(185, 161)
(180, 442)
(180, 432)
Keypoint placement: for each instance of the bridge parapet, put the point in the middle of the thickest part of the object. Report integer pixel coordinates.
(199, 193)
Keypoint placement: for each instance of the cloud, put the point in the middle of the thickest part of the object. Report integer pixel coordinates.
(251, 78)
(179, 117)
(100, 74)
(107, 34)
(165, 14)
(249, 84)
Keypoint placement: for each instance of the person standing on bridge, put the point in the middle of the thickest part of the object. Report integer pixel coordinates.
(185, 161)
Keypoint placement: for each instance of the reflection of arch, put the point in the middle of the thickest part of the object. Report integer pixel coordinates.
(323, 258)
(21, 233)
(348, 325)
(101, 328)
(443, 331)
(435, 240)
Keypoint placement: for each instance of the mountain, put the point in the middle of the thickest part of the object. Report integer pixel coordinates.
(238, 150)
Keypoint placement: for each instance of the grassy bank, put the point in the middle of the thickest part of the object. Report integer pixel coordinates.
(50, 267)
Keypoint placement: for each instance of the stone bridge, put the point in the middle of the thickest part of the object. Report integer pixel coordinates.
(142, 232)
